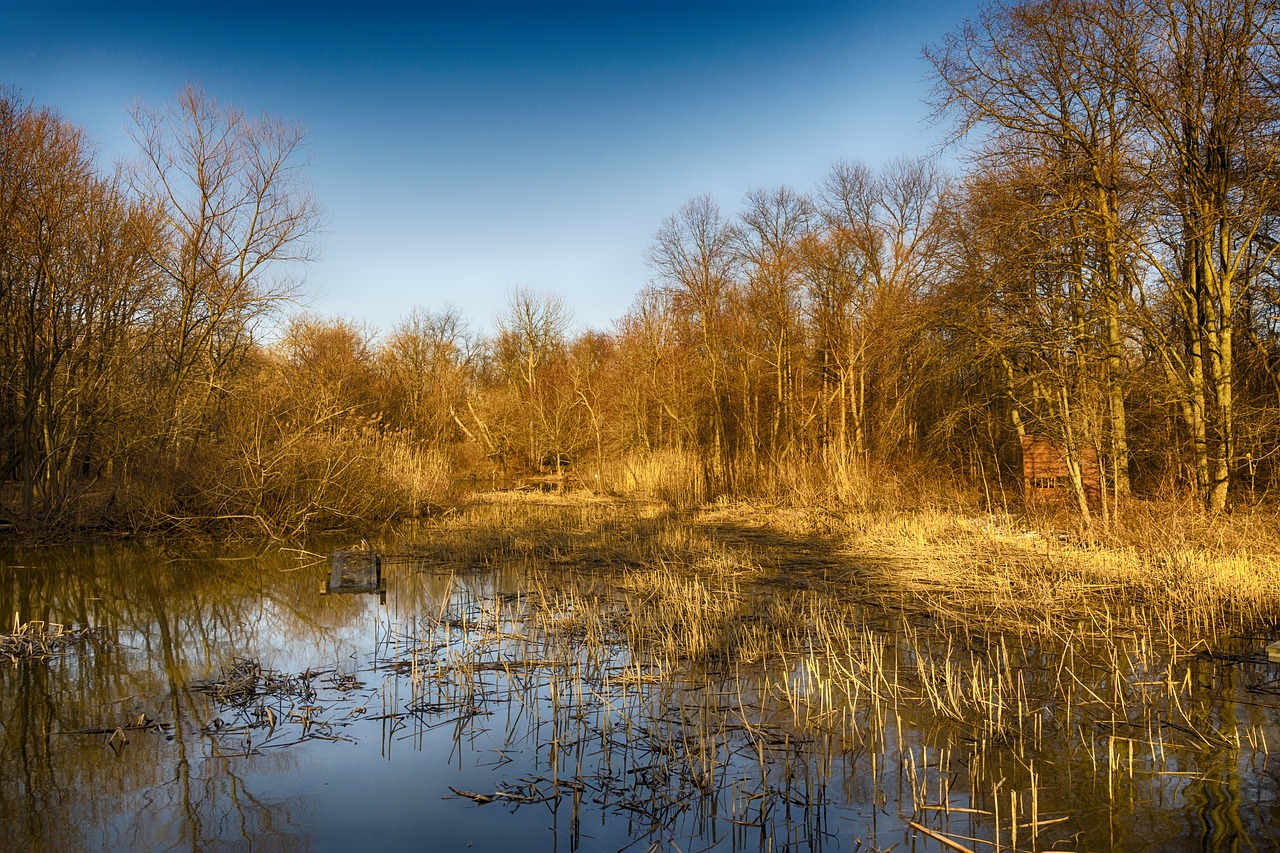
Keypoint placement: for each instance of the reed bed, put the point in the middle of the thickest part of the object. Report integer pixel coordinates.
(777, 678)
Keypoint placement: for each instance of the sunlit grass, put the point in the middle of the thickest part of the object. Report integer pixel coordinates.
(759, 655)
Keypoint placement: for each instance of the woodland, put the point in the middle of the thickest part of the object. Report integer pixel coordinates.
(1101, 272)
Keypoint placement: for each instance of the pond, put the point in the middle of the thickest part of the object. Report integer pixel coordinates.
(568, 678)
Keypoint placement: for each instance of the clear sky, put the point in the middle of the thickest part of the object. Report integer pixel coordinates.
(462, 149)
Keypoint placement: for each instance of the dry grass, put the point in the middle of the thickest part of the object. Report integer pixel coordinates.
(960, 662)
(672, 476)
(38, 641)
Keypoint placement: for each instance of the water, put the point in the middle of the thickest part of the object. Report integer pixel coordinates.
(551, 703)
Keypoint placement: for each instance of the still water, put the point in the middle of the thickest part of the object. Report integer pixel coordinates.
(230, 704)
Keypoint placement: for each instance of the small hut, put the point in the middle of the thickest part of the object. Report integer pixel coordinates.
(1046, 478)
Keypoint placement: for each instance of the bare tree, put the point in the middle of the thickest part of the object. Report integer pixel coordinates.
(592, 369)
(865, 272)
(530, 351)
(694, 263)
(1202, 74)
(1151, 128)
(73, 293)
(1038, 79)
(427, 363)
(237, 211)
(660, 381)
(772, 227)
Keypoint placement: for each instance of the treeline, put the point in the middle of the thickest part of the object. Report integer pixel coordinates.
(1115, 256)
(128, 304)
(1102, 275)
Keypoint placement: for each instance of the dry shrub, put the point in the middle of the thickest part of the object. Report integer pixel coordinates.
(676, 476)
(335, 479)
(852, 485)
(281, 482)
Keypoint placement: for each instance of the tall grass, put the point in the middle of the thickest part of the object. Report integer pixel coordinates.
(675, 476)
(993, 686)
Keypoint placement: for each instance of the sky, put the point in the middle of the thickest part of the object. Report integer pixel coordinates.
(461, 150)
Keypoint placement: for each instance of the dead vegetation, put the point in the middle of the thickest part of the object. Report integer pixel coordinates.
(772, 668)
(39, 641)
(267, 709)
(246, 681)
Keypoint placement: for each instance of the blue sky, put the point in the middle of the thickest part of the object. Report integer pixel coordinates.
(460, 150)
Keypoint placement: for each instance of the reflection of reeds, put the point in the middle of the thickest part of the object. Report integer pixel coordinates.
(755, 672)
(36, 641)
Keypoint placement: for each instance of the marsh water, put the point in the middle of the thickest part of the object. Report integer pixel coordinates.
(562, 696)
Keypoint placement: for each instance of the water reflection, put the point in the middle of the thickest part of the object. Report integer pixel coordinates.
(172, 620)
(484, 701)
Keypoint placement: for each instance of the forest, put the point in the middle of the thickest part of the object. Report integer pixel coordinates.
(1099, 273)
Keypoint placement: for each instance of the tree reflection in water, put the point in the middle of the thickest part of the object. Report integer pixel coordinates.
(172, 620)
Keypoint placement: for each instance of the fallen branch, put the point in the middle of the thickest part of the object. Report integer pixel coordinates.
(939, 837)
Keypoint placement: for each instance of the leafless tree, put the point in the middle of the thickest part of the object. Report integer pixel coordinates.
(693, 260)
(73, 294)
(771, 228)
(530, 347)
(1038, 79)
(865, 272)
(237, 212)
(427, 364)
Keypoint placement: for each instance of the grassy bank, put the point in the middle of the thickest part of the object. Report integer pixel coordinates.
(1020, 572)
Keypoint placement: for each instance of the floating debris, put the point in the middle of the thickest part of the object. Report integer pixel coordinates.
(514, 797)
(36, 641)
(116, 736)
(270, 709)
(355, 572)
(117, 741)
(247, 680)
(344, 682)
